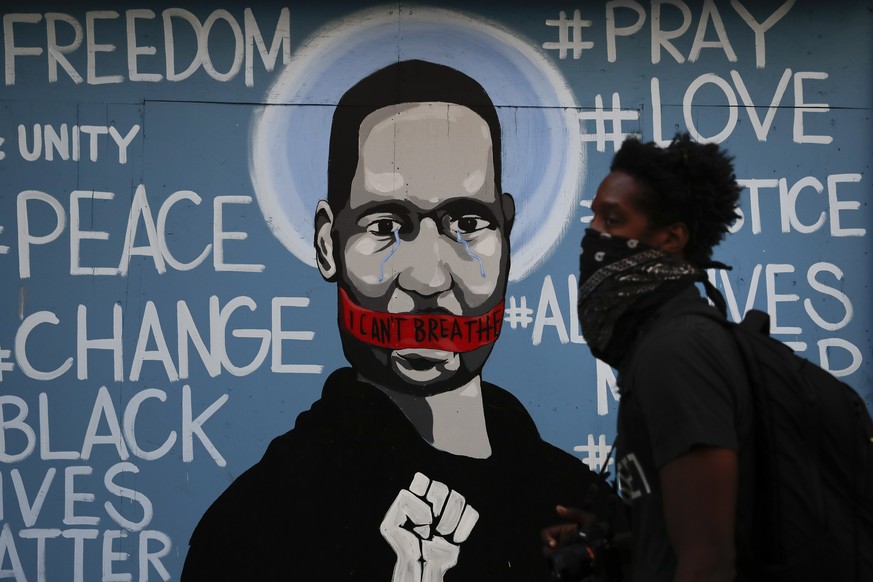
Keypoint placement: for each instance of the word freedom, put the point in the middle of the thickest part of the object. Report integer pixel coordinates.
(84, 53)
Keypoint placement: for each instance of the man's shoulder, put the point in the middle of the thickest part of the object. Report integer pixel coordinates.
(685, 334)
(685, 322)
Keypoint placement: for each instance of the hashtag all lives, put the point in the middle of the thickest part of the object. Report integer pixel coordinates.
(517, 313)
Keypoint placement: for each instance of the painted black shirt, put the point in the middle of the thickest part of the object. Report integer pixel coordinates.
(313, 507)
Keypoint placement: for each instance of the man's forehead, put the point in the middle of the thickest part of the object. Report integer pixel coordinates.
(408, 115)
(425, 153)
(618, 189)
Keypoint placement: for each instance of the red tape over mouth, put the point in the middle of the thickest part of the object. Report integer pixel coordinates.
(438, 331)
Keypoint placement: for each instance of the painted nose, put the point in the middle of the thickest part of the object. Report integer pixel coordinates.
(423, 266)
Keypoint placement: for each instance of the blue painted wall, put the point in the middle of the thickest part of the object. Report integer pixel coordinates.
(137, 168)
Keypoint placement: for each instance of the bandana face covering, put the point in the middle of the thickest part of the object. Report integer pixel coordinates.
(614, 273)
(438, 331)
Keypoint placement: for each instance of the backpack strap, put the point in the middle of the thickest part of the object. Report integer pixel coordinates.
(715, 296)
(756, 321)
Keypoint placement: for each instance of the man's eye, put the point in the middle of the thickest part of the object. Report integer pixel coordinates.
(383, 227)
(468, 224)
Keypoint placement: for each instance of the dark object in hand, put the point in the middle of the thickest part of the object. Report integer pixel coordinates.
(586, 555)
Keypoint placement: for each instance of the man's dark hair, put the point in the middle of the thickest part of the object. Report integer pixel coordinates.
(685, 182)
(402, 82)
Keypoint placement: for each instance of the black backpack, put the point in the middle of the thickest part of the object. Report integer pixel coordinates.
(814, 464)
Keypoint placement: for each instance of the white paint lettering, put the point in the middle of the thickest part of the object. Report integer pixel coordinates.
(788, 205)
(162, 231)
(9, 551)
(278, 335)
(281, 39)
(663, 38)
(57, 53)
(238, 44)
(10, 50)
(15, 423)
(112, 344)
(27, 326)
(612, 31)
(139, 209)
(126, 493)
(150, 327)
(760, 28)
(220, 235)
(836, 205)
(45, 452)
(710, 14)
(30, 511)
(687, 108)
(104, 409)
(93, 48)
(76, 234)
(811, 277)
(549, 313)
(773, 298)
(801, 108)
(853, 351)
(134, 51)
(192, 427)
(25, 238)
(72, 497)
(129, 426)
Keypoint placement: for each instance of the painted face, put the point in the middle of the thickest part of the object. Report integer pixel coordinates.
(424, 231)
(616, 212)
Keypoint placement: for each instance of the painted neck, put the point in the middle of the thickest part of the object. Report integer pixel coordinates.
(452, 421)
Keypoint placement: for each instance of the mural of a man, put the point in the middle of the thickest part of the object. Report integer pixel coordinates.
(409, 467)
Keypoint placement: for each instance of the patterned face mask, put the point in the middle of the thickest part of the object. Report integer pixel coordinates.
(614, 273)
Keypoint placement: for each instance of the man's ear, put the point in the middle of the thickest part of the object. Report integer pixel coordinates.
(324, 258)
(508, 204)
(673, 238)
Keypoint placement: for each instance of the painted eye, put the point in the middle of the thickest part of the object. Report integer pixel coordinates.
(468, 224)
(383, 227)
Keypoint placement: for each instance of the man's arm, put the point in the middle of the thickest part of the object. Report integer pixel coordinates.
(699, 490)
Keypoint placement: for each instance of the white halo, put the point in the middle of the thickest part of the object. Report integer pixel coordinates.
(543, 160)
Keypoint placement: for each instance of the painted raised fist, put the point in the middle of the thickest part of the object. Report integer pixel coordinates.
(425, 527)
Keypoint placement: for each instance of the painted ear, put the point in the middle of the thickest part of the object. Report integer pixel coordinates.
(324, 258)
(508, 204)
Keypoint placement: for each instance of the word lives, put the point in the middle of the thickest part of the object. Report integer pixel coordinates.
(106, 537)
(116, 536)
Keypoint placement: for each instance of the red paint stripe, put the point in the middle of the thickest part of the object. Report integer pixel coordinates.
(439, 331)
